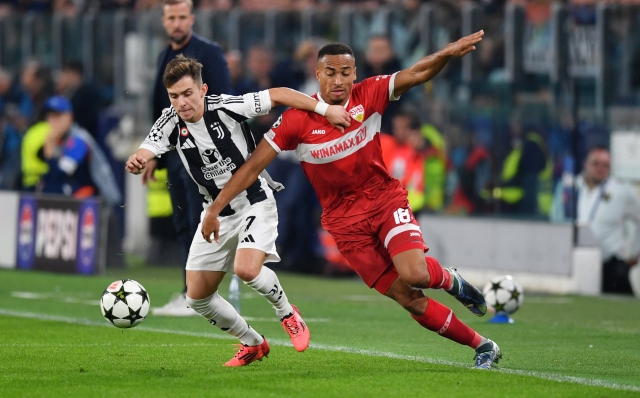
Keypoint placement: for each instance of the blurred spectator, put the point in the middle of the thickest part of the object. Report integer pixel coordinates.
(33, 166)
(34, 5)
(523, 169)
(473, 169)
(145, 5)
(37, 82)
(380, 59)
(606, 205)
(240, 84)
(68, 8)
(7, 7)
(404, 158)
(436, 167)
(77, 166)
(306, 59)
(85, 97)
(260, 66)
(109, 5)
(218, 5)
(14, 107)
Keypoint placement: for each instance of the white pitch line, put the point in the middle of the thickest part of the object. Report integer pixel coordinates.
(54, 296)
(371, 353)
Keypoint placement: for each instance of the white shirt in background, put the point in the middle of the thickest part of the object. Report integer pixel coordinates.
(606, 208)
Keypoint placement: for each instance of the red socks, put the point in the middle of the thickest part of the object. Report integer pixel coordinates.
(443, 321)
(440, 278)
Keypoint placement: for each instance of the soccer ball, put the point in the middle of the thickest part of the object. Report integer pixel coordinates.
(125, 303)
(503, 294)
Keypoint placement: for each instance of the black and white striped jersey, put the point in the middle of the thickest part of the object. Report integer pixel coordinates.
(215, 147)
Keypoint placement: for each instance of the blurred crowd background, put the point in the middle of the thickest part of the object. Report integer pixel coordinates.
(492, 135)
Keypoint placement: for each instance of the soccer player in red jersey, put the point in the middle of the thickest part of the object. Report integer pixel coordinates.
(364, 208)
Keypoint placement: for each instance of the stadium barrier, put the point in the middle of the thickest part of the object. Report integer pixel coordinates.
(540, 255)
(54, 233)
(9, 202)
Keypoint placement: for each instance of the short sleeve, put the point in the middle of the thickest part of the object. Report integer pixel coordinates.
(380, 89)
(284, 134)
(248, 106)
(160, 138)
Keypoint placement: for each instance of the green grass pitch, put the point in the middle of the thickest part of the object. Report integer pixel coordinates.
(54, 342)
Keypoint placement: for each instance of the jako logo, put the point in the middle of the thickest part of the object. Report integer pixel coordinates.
(318, 132)
(414, 234)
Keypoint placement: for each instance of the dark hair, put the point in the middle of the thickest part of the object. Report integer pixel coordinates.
(180, 67)
(73, 66)
(379, 36)
(172, 2)
(411, 115)
(335, 49)
(595, 148)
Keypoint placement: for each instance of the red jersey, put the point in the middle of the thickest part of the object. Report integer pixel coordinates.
(346, 169)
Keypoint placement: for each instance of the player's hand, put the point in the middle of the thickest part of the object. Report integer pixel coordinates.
(465, 45)
(147, 175)
(135, 164)
(632, 262)
(338, 116)
(211, 225)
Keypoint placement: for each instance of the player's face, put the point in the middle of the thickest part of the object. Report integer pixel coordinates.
(336, 74)
(597, 166)
(188, 99)
(177, 20)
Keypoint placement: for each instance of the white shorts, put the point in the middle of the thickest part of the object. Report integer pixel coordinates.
(256, 227)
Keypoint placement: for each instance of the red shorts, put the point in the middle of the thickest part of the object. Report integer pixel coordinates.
(370, 244)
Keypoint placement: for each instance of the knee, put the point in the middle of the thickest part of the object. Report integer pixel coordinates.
(246, 274)
(417, 275)
(199, 305)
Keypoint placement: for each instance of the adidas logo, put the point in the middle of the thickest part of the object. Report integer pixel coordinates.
(248, 239)
(318, 132)
(188, 144)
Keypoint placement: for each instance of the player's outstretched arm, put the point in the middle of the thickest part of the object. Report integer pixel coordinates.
(336, 114)
(427, 67)
(138, 161)
(245, 176)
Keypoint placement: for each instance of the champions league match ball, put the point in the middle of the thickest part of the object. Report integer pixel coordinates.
(125, 303)
(503, 295)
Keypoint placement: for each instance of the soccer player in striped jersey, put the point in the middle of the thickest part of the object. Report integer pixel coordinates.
(213, 141)
(364, 208)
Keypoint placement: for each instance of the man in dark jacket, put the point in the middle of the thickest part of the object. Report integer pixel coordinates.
(178, 19)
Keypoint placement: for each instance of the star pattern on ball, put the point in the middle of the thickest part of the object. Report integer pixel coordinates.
(108, 314)
(515, 294)
(495, 286)
(133, 315)
(144, 295)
